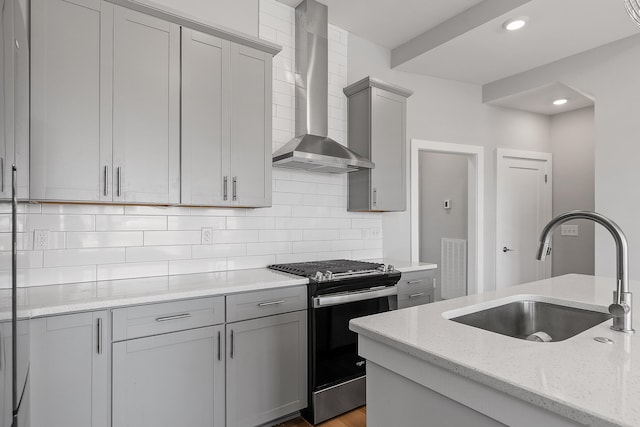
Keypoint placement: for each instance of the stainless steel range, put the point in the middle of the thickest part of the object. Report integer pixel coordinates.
(339, 290)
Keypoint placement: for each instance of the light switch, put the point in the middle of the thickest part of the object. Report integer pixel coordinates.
(569, 230)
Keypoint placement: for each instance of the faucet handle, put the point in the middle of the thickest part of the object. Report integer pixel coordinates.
(619, 310)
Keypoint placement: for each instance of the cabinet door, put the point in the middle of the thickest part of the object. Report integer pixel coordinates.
(146, 109)
(266, 368)
(69, 375)
(388, 150)
(71, 99)
(170, 380)
(205, 119)
(250, 148)
(6, 98)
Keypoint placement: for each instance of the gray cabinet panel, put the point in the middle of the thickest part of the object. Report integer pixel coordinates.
(250, 147)
(170, 380)
(146, 109)
(416, 288)
(70, 99)
(266, 368)
(69, 374)
(250, 305)
(205, 119)
(377, 122)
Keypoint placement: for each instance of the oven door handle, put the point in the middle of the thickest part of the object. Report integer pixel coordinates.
(328, 300)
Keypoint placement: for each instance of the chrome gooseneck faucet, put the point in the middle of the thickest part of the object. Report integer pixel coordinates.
(621, 307)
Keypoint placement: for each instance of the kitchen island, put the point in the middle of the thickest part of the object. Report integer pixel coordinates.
(424, 369)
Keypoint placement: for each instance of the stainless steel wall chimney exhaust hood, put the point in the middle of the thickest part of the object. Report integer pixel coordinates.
(311, 149)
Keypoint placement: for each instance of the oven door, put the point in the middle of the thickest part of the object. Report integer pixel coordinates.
(334, 348)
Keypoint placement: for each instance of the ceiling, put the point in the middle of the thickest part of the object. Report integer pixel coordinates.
(540, 100)
(464, 40)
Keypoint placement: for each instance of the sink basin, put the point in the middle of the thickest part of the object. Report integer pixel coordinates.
(534, 320)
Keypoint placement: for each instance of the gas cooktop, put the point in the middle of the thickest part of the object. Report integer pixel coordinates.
(334, 269)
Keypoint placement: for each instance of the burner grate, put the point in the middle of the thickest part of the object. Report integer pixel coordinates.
(336, 266)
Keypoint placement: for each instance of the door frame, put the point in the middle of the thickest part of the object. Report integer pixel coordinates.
(501, 153)
(475, 194)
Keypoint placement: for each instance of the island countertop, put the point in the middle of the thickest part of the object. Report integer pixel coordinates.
(578, 378)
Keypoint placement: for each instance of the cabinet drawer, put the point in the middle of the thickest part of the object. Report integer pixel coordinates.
(419, 297)
(415, 281)
(251, 305)
(154, 319)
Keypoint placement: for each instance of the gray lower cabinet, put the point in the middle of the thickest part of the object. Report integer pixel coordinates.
(226, 122)
(377, 130)
(416, 288)
(69, 375)
(266, 368)
(168, 380)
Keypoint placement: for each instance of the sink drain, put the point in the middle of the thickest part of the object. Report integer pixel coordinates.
(604, 340)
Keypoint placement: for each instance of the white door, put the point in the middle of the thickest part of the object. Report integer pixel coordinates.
(523, 202)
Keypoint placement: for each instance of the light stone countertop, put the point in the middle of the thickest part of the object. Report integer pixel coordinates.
(579, 378)
(40, 301)
(406, 266)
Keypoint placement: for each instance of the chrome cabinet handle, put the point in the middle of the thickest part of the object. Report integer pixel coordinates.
(506, 249)
(231, 352)
(225, 185)
(174, 317)
(119, 170)
(419, 294)
(219, 347)
(375, 196)
(2, 173)
(413, 282)
(99, 335)
(235, 188)
(268, 303)
(106, 180)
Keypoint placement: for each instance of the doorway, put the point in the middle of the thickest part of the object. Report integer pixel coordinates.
(475, 205)
(523, 208)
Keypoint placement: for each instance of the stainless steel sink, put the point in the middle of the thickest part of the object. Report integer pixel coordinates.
(534, 320)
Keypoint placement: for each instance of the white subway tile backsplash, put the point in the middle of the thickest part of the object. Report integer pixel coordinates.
(132, 270)
(269, 248)
(70, 257)
(308, 220)
(195, 222)
(130, 222)
(168, 238)
(104, 239)
(197, 266)
(158, 253)
(219, 250)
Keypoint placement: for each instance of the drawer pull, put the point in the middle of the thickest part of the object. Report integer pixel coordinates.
(219, 346)
(175, 317)
(268, 303)
(413, 282)
(419, 294)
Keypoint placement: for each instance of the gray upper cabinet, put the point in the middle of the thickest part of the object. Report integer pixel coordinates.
(266, 368)
(71, 99)
(146, 109)
(69, 375)
(377, 130)
(226, 122)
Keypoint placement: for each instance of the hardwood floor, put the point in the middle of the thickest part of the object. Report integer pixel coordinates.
(355, 418)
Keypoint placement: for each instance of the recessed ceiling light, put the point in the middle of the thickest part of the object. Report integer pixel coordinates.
(515, 24)
(560, 101)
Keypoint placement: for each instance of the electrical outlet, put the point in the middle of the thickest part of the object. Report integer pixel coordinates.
(376, 233)
(41, 239)
(366, 234)
(569, 230)
(207, 236)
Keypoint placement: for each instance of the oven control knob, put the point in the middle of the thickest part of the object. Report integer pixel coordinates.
(319, 277)
(390, 267)
(328, 275)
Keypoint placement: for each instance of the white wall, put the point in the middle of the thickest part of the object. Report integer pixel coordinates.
(448, 111)
(573, 140)
(308, 220)
(610, 75)
(442, 176)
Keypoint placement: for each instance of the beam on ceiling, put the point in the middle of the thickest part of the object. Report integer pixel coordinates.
(466, 21)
